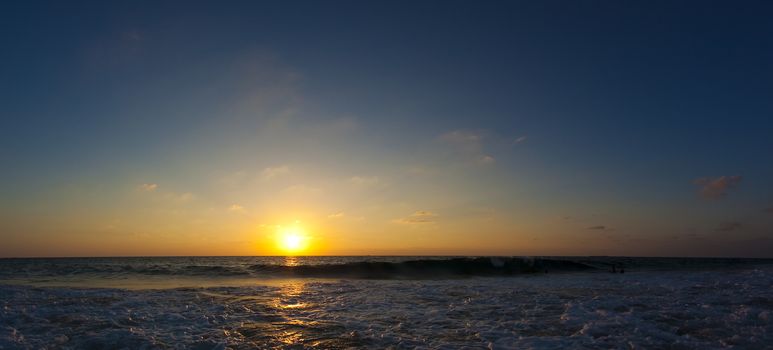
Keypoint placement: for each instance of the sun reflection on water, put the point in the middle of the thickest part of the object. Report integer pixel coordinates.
(290, 296)
(290, 303)
(292, 261)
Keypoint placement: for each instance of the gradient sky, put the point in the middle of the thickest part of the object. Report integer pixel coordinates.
(387, 127)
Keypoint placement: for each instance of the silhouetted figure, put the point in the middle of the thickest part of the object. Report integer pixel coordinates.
(622, 270)
(613, 269)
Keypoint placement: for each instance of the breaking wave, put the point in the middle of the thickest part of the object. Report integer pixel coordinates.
(429, 268)
(347, 267)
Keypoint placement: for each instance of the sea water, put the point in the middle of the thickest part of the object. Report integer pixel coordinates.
(385, 302)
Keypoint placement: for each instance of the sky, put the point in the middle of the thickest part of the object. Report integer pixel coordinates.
(640, 128)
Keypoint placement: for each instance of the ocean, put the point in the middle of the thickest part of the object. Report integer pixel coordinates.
(386, 302)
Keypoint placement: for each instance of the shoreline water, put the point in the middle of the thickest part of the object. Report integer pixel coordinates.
(690, 309)
(381, 302)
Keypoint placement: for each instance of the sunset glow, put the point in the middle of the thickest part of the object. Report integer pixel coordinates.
(491, 128)
(343, 174)
(292, 241)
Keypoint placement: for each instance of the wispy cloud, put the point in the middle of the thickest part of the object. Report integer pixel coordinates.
(567, 218)
(132, 35)
(147, 187)
(274, 172)
(717, 188)
(486, 159)
(418, 170)
(165, 195)
(365, 181)
(419, 217)
(468, 144)
(729, 226)
(336, 215)
(233, 179)
(599, 227)
(463, 137)
(302, 190)
(236, 208)
(179, 197)
(521, 139)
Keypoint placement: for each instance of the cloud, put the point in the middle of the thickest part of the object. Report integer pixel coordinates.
(182, 197)
(467, 144)
(419, 217)
(341, 215)
(301, 190)
(729, 226)
(364, 181)
(132, 35)
(463, 138)
(567, 218)
(418, 170)
(147, 187)
(274, 172)
(599, 227)
(336, 215)
(236, 208)
(486, 159)
(521, 139)
(233, 179)
(717, 188)
(168, 196)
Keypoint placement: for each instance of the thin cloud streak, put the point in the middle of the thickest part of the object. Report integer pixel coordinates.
(365, 181)
(147, 187)
(274, 172)
(717, 188)
(236, 208)
(729, 226)
(468, 144)
(419, 217)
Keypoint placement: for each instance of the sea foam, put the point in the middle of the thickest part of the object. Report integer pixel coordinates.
(687, 309)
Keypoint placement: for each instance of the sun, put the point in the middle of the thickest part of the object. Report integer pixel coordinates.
(292, 240)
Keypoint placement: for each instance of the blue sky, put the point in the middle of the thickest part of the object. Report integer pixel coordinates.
(533, 124)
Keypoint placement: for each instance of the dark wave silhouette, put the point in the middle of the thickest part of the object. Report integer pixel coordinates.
(349, 267)
(429, 268)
